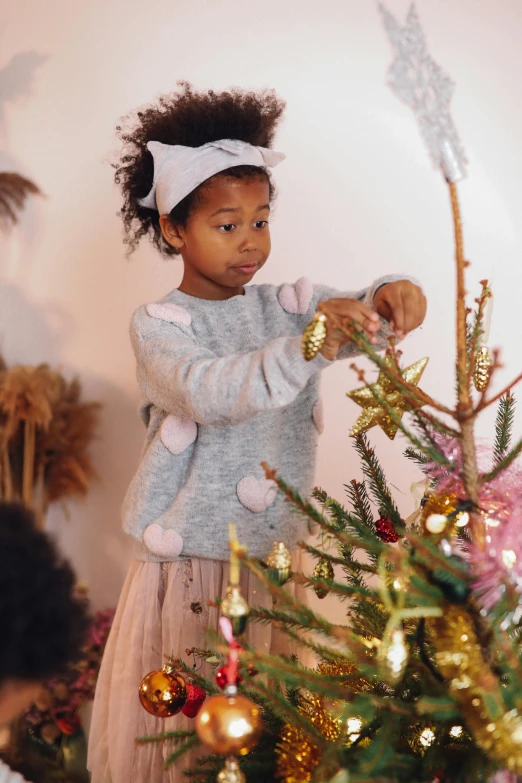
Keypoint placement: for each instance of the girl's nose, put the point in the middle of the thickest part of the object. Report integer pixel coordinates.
(248, 243)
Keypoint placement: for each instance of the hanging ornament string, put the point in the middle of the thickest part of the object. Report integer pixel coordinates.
(234, 605)
(393, 652)
(232, 665)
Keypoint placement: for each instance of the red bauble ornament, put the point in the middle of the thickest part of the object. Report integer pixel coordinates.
(385, 531)
(195, 698)
(222, 677)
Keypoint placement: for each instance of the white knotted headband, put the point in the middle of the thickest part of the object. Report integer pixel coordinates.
(179, 170)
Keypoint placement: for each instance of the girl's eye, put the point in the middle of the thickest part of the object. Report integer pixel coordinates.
(261, 223)
(227, 228)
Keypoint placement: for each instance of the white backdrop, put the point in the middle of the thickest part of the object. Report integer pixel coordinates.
(358, 197)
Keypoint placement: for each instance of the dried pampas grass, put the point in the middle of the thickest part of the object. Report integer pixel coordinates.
(45, 433)
(14, 190)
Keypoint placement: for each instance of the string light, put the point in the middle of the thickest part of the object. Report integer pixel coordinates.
(456, 731)
(427, 738)
(354, 726)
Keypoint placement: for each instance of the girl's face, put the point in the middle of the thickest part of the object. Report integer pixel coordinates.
(226, 239)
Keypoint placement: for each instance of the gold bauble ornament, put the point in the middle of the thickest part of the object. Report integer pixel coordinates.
(229, 725)
(279, 563)
(482, 368)
(437, 514)
(323, 570)
(163, 693)
(231, 772)
(235, 608)
(314, 336)
(373, 412)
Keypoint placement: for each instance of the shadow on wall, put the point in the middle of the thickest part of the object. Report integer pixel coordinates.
(16, 81)
(29, 332)
(89, 531)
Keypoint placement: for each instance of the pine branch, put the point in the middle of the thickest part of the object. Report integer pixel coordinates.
(288, 713)
(360, 501)
(415, 396)
(349, 565)
(374, 473)
(310, 511)
(203, 683)
(265, 616)
(305, 616)
(328, 654)
(420, 459)
(435, 424)
(341, 590)
(504, 463)
(428, 556)
(503, 427)
(192, 742)
(365, 537)
(328, 685)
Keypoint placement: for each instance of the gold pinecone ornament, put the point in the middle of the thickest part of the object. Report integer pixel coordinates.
(323, 570)
(236, 609)
(279, 563)
(482, 369)
(314, 336)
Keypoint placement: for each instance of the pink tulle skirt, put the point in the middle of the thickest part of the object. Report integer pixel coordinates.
(163, 609)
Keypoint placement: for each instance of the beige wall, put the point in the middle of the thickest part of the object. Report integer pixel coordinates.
(358, 197)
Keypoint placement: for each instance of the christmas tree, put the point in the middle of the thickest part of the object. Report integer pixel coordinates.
(423, 681)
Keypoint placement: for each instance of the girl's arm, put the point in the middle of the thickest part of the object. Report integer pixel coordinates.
(180, 376)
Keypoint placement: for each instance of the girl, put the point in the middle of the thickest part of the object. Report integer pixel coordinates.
(225, 386)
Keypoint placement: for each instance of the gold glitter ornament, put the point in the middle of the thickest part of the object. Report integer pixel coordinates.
(229, 725)
(235, 608)
(297, 757)
(163, 693)
(231, 772)
(482, 368)
(323, 570)
(279, 563)
(475, 688)
(373, 412)
(314, 336)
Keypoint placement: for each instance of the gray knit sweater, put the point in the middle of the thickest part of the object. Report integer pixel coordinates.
(225, 388)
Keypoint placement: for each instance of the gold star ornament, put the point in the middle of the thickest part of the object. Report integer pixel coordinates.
(370, 399)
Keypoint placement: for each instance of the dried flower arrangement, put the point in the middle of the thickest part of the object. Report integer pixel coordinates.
(45, 432)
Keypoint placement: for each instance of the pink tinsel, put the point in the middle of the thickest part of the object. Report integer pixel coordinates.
(500, 501)
(504, 776)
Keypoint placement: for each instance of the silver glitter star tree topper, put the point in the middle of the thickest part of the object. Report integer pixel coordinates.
(420, 82)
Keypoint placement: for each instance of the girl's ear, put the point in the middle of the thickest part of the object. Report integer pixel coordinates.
(171, 233)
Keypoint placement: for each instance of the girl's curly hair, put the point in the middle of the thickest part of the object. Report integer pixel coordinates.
(190, 118)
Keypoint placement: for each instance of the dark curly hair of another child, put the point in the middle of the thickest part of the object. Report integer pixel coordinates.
(189, 118)
(43, 623)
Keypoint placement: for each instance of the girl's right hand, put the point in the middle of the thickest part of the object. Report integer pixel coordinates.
(350, 310)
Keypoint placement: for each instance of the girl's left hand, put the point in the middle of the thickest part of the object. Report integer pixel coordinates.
(402, 304)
